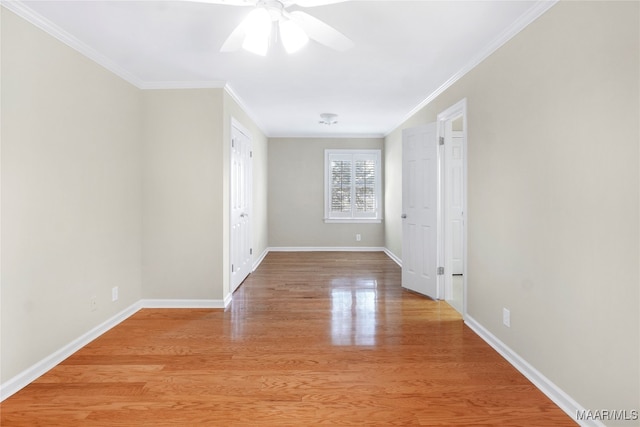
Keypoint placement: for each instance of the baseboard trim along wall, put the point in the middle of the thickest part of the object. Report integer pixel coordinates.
(393, 256)
(552, 391)
(23, 379)
(259, 260)
(31, 374)
(390, 254)
(227, 300)
(184, 303)
(326, 249)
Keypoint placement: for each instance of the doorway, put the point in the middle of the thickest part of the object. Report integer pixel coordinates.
(453, 132)
(241, 203)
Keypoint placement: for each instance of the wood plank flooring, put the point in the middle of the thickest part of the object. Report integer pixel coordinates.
(310, 339)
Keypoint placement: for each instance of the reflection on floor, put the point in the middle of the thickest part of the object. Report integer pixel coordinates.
(310, 338)
(456, 300)
(354, 311)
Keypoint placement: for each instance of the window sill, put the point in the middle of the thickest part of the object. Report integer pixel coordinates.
(352, 221)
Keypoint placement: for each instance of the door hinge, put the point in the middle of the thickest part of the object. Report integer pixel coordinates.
(251, 251)
(251, 154)
(440, 271)
(233, 142)
(232, 270)
(442, 140)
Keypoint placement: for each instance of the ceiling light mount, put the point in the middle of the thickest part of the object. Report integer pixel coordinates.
(258, 28)
(328, 119)
(274, 7)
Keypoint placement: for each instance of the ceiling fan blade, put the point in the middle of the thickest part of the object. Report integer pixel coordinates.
(227, 2)
(321, 32)
(234, 41)
(314, 3)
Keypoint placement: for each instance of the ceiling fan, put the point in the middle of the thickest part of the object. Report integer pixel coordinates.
(294, 28)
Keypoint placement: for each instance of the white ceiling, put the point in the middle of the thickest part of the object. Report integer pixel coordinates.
(405, 53)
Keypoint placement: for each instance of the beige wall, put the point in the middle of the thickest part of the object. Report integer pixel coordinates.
(71, 194)
(553, 215)
(106, 185)
(186, 192)
(182, 194)
(296, 196)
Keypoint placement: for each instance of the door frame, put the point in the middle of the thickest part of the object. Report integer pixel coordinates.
(236, 125)
(444, 125)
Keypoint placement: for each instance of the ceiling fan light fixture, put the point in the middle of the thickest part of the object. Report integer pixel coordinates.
(328, 119)
(257, 45)
(257, 31)
(257, 26)
(293, 37)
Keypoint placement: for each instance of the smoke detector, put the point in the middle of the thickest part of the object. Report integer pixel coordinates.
(328, 119)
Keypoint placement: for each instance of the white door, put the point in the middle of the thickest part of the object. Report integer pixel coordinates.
(457, 222)
(420, 210)
(241, 177)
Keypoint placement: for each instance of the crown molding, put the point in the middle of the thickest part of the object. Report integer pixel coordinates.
(21, 9)
(207, 84)
(243, 106)
(28, 14)
(520, 24)
(25, 12)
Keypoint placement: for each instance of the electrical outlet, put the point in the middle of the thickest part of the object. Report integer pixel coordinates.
(114, 293)
(358, 237)
(93, 303)
(506, 317)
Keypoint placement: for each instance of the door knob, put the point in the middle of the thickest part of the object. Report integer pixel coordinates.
(404, 216)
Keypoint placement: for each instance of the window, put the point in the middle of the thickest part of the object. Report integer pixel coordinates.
(352, 186)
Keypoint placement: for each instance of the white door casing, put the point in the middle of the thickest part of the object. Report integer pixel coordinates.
(456, 177)
(454, 206)
(240, 203)
(420, 184)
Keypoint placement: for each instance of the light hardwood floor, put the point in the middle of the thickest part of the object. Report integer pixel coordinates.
(310, 339)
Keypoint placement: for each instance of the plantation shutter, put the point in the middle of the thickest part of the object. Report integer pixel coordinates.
(352, 184)
(341, 186)
(365, 185)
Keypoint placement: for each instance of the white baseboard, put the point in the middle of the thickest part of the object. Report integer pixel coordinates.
(23, 379)
(393, 256)
(227, 300)
(390, 254)
(326, 249)
(184, 303)
(26, 377)
(552, 391)
(257, 263)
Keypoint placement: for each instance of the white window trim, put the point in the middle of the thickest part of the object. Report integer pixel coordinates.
(328, 153)
(352, 221)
